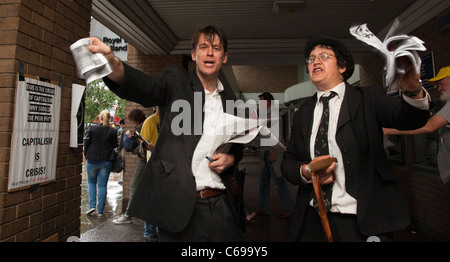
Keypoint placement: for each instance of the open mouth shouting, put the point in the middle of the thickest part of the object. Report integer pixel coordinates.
(317, 70)
(209, 63)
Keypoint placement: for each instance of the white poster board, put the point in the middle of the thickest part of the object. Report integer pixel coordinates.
(34, 143)
(76, 114)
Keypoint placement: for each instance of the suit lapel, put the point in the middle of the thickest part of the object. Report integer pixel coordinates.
(196, 105)
(306, 121)
(351, 111)
(195, 82)
(349, 107)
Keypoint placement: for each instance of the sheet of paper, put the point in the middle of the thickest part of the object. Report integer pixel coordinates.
(248, 131)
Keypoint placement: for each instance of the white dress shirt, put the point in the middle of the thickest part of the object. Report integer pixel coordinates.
(209, 141)
(341, 201)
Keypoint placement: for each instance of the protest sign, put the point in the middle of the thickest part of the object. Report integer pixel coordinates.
(34, 143)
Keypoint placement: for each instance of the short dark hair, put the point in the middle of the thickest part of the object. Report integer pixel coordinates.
(122, 121)
(266, 96)
(136, 115)
(210, 32)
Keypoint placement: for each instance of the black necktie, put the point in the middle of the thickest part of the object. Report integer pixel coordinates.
(321, 147)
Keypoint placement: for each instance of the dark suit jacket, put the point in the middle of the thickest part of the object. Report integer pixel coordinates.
(99, 143)
(367, 109)
(166, 195)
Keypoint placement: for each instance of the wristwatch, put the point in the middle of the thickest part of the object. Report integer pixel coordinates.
(413, 93)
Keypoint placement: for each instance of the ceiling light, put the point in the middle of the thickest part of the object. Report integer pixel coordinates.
(285, 7)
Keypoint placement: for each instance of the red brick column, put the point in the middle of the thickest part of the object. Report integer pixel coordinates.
(38, 34)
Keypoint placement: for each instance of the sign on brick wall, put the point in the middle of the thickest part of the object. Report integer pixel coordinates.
(34, 143)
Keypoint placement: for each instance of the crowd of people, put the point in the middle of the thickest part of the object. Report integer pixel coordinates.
(187, 191)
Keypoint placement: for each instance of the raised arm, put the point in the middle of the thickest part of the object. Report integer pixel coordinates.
(410, 81)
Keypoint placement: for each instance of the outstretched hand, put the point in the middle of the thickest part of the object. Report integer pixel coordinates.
(118, 74)
(99, 47)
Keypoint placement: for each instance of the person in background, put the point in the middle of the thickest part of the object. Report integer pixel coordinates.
(99, 144)
(132, 144)
(271, 161)
(148, 129)
(439, 121)
(120, 134)
(149, 132)
(345, 121)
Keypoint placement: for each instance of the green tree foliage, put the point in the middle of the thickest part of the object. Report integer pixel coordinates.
(98, 98)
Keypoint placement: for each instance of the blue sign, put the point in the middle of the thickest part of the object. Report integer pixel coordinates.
(427, 69)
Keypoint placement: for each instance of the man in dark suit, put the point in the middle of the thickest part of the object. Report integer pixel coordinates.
(187, 196)
(360, 190)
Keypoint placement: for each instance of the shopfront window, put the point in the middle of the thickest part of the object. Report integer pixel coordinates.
(395, 149)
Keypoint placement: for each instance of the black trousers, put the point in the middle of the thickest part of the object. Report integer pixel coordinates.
(344, 228)
(212, 221)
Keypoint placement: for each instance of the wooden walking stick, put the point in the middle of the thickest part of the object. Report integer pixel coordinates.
(316, 167)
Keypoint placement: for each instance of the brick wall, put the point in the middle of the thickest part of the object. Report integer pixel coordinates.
(39, 33)
(265, 78)
(152, 65)
(426, 196)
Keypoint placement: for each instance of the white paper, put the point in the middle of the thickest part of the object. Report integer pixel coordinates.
(90, 66)
(254, 138)
(407, 46)
(250, 132)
